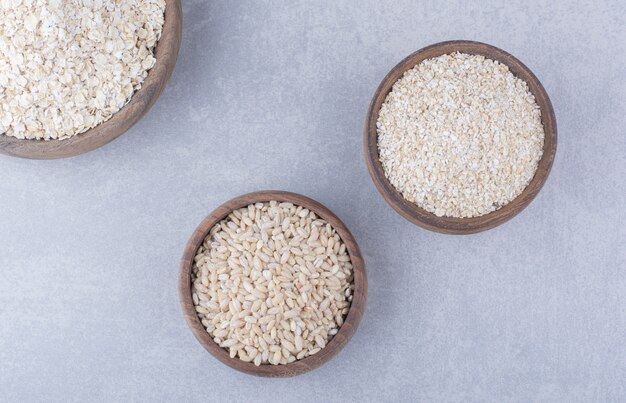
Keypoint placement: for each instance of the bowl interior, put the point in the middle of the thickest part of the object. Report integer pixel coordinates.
(140, 103)
(300, 366)
(453, 225)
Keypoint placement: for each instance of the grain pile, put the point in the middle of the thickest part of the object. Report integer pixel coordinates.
(272, 283)
(459, 135)
(68, 65)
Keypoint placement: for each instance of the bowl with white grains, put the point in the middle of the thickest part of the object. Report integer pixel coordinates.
(272, 284)
(76, 75)
(460, 137)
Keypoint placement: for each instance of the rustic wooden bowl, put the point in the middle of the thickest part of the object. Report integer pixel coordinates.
(452, 225)
(346, 331)
(166, 53)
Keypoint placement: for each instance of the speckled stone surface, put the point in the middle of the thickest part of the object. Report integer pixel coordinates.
(273, 96)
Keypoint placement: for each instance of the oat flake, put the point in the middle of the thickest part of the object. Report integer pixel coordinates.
(459, 135)
(68, 65)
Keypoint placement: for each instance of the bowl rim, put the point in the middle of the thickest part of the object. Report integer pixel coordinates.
(166, 53)
(298, 367)
(453, 225)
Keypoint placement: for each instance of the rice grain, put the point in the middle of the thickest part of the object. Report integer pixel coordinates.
(257, 291)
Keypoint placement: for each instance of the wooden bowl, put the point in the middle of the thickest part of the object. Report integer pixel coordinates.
(346, 331)
(166, 53)
(452, 225)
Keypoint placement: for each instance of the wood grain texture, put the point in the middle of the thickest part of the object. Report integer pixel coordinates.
(166, 53)
(452, 225)
(346, 331)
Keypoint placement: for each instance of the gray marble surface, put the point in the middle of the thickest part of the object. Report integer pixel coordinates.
(273, 95)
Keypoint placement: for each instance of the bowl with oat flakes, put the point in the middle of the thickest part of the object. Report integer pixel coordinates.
(460, 137)
(76, 75)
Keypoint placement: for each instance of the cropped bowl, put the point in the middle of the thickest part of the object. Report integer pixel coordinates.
(140, 103)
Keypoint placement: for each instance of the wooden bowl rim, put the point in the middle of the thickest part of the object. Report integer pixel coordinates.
(452, 225)
(346, 331)
(142, 100)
